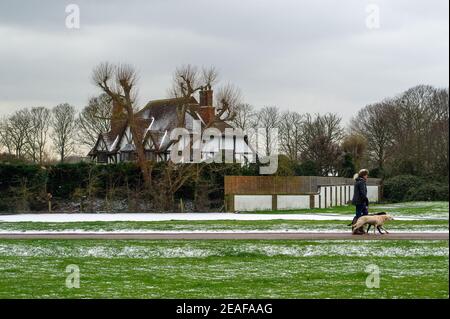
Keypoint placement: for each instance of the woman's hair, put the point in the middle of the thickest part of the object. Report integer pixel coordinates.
(361, 173)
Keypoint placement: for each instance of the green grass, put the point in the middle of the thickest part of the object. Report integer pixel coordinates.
(223, 269)
(425, 209)
(434, 214)
(219, 225)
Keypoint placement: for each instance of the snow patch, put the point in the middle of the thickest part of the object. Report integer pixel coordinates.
(143, 217)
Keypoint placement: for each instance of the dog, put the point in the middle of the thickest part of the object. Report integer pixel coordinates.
(373, 220)
(368, 228)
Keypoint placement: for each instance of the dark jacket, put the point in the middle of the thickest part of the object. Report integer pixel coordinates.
(360, 192)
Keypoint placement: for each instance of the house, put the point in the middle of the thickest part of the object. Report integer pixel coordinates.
(157, 120)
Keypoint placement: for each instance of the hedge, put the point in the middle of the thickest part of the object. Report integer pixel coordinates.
(30, 183)
(412, 188)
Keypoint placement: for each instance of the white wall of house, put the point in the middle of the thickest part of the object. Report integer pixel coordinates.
(210, 147)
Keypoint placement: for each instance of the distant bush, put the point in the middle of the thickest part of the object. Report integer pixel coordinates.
(376, 172)
(396, 189)
(413, 188)
(428, 192)
(307, 168)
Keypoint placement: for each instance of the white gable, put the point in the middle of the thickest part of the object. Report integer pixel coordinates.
(101, 146)
(149, 144)
(126, 138)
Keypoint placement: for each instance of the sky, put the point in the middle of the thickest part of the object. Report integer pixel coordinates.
(305, 56)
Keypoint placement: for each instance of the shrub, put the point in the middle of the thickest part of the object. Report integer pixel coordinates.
(376, 172)
(429, 192)
(307, 168)
(396, 189)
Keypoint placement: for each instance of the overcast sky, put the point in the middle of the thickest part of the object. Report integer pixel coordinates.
(307, 56)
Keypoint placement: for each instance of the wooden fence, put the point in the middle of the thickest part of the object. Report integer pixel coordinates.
(283, 185)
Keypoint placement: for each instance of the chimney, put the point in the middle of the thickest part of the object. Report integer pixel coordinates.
(206, 96)
(207, 111)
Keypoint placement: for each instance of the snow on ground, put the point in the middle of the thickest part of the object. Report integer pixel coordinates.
(133, 231)
(143, 217)
(181, 250)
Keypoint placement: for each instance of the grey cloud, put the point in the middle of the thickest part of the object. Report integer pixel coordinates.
(299, 55)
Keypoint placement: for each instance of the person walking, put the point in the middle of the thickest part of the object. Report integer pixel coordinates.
(360, 199)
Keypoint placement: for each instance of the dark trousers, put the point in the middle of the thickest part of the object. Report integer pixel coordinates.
(361, 210)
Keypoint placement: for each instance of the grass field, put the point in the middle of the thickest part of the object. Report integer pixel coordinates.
(230, 268)
(219, 225)
(406, 209)
(223, 269)
(430, 216)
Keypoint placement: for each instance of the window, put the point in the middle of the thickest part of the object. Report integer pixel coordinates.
(127, 156)
(150, 155)
(102, 157)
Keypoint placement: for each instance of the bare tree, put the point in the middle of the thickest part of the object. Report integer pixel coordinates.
(407, 133)
(188, 79)
(64, 127)
(119, 83)
(245, 117)
(5, 136)
(356, 145)
(290, 132)
(38, 133)
(17, 128)
(374, 123)
(228, 98)
(420, 130)
(320, 142)
(95, 118)
(439, 132)
(268, 118)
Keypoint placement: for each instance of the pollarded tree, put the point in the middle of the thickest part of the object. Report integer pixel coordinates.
(188, 80)
(119, 83)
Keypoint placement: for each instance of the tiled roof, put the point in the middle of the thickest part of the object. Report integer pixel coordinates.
(156, 120)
